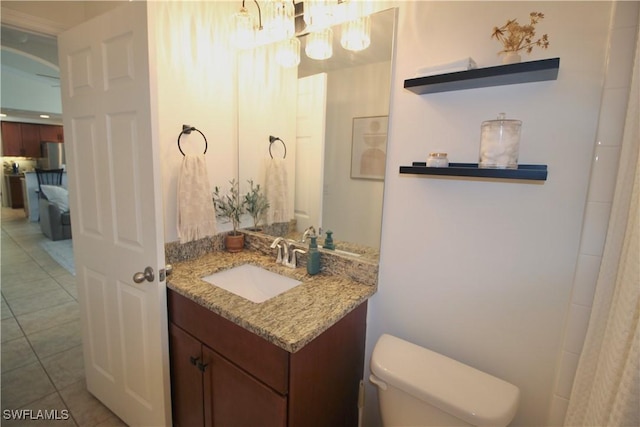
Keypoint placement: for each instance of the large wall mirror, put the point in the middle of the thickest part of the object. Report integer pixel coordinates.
(331, 117)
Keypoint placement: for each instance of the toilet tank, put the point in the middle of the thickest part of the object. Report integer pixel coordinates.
(446, 388)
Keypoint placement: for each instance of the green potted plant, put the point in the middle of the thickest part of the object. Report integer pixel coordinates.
(256, 204)
(230, 208)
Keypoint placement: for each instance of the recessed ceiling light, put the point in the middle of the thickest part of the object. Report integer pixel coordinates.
(44, 116)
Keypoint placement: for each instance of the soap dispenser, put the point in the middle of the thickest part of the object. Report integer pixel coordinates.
(328, 241)
(313, 259)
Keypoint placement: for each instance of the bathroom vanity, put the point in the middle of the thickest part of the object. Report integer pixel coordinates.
(295, 359)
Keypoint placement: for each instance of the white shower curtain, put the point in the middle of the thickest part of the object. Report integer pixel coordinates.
(606, 390)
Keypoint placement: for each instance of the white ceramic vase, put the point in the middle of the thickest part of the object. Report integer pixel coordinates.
(511, 58)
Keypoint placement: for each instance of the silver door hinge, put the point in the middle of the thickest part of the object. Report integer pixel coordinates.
(166, 271)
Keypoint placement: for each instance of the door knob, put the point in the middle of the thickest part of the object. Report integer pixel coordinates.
(142, 276)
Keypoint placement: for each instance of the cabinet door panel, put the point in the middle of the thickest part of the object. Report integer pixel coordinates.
(236, 399)
(186, 379)
(326, 374)
(30, 139)
(11, 139)
(17, 200)
(51, 133)
(254, 354)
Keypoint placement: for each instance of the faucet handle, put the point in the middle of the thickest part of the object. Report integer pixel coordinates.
(310, 231)
(294, 257)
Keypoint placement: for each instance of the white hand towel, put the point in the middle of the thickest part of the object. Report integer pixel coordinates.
(196, 214)
(277, 190)
(451, 67)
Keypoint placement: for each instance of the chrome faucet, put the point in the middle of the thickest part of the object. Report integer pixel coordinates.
(293, 262)
(311, 231)
(283, 250)
(287, 254)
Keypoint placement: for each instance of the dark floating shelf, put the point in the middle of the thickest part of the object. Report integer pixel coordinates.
(526, 172)
(522, 72)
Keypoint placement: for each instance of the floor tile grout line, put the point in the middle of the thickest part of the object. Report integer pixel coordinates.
(50, 277)
(45, 308)
(44, 369)
(26, 337)
(46, 328)
(39, 361)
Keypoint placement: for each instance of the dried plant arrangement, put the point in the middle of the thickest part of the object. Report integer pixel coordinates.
(515, 37)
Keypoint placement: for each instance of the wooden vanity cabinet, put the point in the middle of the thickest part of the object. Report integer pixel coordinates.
(186, 378)
(224, 375)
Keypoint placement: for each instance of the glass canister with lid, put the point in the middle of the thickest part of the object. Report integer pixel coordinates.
(437, 160)
(500, 143)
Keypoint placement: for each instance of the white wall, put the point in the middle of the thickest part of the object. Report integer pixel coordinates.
(195, 73)
(481, 271)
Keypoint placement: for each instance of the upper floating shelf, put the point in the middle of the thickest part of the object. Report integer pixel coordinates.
(522, 72)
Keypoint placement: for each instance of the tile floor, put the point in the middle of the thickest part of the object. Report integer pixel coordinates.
(42, 366)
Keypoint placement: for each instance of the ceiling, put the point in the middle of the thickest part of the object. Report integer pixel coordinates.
(32, 57)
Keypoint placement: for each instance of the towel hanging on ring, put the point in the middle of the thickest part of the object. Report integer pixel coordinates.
(196, 213)
(276, 188)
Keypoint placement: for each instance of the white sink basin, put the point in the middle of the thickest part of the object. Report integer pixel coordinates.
(251, 282)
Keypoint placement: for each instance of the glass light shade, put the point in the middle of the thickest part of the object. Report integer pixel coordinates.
(288, 52)
(279, 19)
(243, 29)
(318, 13)
(320, 44)
(356, 34)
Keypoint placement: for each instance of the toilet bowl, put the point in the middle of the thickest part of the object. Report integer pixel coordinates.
(418, 387)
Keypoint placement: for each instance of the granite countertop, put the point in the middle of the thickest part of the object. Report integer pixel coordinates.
(289, 320)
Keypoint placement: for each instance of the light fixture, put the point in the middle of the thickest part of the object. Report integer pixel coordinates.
(288, 52)
(279, 20)
(320, 44)
(244, 27)
(356, 34)
(44, 116)
(319, 13)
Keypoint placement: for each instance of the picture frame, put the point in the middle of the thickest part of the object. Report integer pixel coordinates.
(369, 147)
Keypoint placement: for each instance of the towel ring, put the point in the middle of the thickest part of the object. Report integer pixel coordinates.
(273, 139)
(187, 129)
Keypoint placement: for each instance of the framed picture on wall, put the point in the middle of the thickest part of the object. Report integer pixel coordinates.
(369, 147)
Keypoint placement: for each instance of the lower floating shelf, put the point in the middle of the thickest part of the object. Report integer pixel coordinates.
(526, 172)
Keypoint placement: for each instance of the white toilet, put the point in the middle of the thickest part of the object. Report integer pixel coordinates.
(418, 387)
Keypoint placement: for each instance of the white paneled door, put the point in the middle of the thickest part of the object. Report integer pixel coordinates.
(116, 211)
(310, 133)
